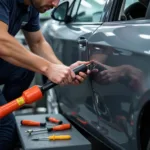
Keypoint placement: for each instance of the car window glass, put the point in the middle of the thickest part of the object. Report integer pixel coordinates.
(129, 2)
(75, 8)
(70, 2)
(88, 10)
(134, 9)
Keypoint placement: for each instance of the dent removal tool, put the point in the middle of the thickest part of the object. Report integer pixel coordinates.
(33, 94)
(55, 128)
(53, 137)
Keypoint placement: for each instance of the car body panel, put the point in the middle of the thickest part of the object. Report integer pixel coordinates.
(119, 101)
(66, 37)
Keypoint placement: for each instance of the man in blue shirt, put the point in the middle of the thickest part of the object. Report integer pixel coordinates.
(17, 64)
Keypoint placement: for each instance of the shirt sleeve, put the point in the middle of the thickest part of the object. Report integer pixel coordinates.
(34, 23)
(4, 11)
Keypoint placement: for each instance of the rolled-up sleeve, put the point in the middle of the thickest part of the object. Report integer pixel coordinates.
(34, 23)
(4, 11)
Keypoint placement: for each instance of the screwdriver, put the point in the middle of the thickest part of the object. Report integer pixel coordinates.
(54, 137)
(53, 120)
(32, 123)
(55, 128)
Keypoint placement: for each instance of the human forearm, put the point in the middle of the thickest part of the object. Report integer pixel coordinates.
(17, 63)
(12, 51)
(44, 50)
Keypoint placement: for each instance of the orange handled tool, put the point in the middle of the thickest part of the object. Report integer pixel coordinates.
(54, 137)
(55, 128)
(53, 120)
(32, 123)
(32, 95)
(60, 127)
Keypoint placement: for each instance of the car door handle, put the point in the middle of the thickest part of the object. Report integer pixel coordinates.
(82, 42)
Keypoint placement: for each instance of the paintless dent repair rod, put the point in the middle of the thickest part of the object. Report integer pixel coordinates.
(32, 95)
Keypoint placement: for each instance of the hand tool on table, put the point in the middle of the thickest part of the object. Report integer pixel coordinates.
(55, 128)
(32, 123)
(53, 137)
(53, 120)
(33, 94)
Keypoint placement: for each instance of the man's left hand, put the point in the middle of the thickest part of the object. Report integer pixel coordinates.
(82, 75)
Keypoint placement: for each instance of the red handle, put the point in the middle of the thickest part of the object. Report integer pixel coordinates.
(62, 127)
(53, 120)
(30, 123)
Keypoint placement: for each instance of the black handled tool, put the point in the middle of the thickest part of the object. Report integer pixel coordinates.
(49, 84)
(32, 94)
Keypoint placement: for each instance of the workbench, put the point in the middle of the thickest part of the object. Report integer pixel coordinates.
(77, 142)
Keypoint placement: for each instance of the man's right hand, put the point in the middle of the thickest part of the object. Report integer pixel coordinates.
(60, 74)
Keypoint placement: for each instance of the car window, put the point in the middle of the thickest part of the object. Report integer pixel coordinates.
(70, 2)
(46, 15)
(129, 2)
(88, 10)
(133, 9)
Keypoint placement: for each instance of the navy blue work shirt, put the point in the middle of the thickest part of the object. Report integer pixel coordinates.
(18, 16)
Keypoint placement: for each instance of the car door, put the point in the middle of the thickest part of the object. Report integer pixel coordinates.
(69, 43)
(73, 40)
(119, 50)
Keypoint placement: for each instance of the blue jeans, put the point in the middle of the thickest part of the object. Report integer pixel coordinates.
(15, 81)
